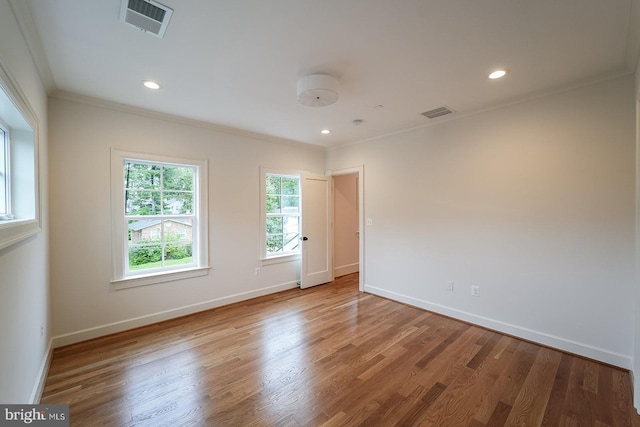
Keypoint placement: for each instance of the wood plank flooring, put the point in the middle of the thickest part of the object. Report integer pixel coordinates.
(330, 356)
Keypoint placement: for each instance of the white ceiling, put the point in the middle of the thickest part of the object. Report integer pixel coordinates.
(236, 63)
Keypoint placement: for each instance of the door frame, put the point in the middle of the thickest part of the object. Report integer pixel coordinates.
(359, 170)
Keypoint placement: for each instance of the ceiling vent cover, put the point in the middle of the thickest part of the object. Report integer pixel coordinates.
(146, 15)
(437, 112)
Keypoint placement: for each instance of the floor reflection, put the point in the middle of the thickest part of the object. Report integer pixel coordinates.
(180, 393)
(285, 368)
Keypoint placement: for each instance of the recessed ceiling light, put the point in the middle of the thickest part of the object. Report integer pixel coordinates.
(325, 131)
(151, 84)
(498, 74)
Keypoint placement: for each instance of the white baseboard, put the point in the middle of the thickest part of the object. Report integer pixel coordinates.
(343, 270)
(41, 379)
(98, 331)
(559, 343)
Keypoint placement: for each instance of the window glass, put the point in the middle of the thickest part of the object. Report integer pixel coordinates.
(282, 198)
(4, 169)
(160, 217)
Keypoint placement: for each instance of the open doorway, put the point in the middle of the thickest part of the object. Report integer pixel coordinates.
(346, 231)
(347, 223)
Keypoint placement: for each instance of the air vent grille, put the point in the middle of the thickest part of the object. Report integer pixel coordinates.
(437, 112)
(146, 15)
(147, 9)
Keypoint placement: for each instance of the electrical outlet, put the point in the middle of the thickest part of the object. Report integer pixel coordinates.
(450, 286)
(41, 329)
(369, 221)
(475, 290)
(257, 271)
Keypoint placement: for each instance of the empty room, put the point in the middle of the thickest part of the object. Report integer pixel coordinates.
(283, 213)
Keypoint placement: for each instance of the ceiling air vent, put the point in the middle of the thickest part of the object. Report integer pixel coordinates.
(437, 112)
(146, 15)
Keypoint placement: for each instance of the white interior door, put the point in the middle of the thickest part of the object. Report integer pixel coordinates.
(317, 219)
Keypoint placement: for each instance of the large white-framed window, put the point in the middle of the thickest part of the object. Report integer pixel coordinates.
(159, 218)
(19, 208)
(280, 215)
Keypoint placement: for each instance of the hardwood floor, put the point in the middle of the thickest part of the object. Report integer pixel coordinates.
(330, 356)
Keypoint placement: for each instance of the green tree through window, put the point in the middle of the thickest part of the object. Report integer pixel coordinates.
(159, 214)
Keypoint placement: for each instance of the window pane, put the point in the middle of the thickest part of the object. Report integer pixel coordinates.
(145, 257)
(291, 242)
(177, 230)
(182, 229)
(290, 185)
(141, 176)
(177, 178)
(177, 254)
(274, 225)
(178, 203)
(145, 231)
(291, 224)
(274, 243)
(142, 202)
(290, 204)
(273, 184)
(273, 204)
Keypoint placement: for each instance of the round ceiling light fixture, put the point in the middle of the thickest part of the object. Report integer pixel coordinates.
(325, 131)
(317, 90)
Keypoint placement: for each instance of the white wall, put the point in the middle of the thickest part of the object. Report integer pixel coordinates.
(81, 135)
(345, 209)
(24, 288)
(533, 202)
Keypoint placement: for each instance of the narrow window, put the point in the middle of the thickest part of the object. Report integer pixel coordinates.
(282, 214)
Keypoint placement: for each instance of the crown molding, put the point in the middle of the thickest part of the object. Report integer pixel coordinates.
(602, 78)
(97, 102)
(30, 33)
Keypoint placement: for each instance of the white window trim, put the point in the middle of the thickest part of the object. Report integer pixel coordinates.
(24, 225)
(273, 259)
(5, 146)
(118, 223)
(280, 259)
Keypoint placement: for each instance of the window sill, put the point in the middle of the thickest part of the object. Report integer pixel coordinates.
(152, 279)
(16, 230)
(280, 259)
